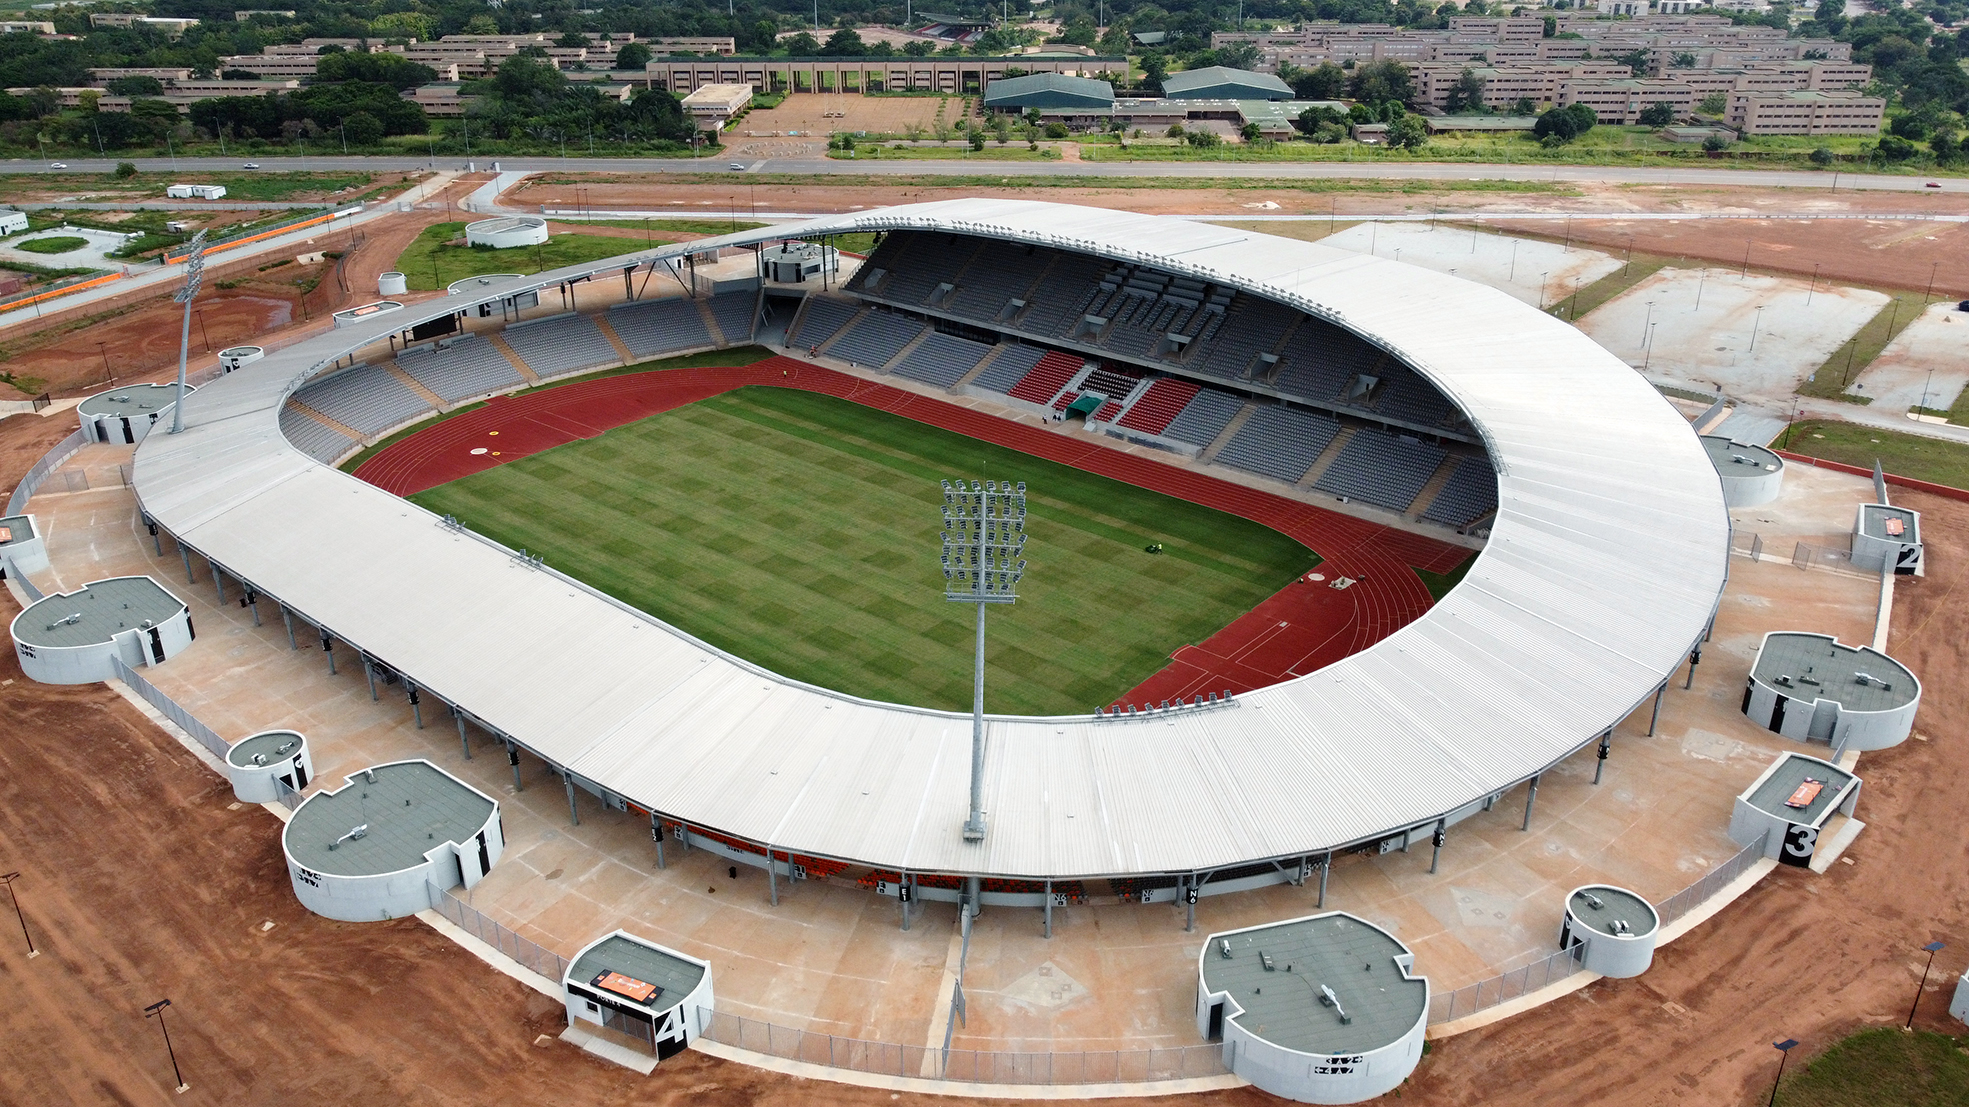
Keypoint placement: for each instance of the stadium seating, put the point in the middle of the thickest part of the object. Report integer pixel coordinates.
(1158, 407)
(1048, 376)
(942, 360)
(1412, 399)
(824, 318)
(468, 367)
(561, 345)
(999, 273)
(925, 262)
(1469, 495)
(1010, 367)
(734, 312)
(312, 437)
(1250, 327)
(1062, 296)
(1381, 469)
(1204, 417)
(365, 399)
(1320, 361)
(876, 337)
(1279, 442)
(652, 327)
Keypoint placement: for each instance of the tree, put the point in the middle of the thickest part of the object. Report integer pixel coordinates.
(1080, 31)
(1325, 81)
(389, 69)
(844, 43)
(1381, 82)
(1057, 130)
(1896, 148)
(1946, 147)
(1684, 60)
(362, 128)
(1562, 125)
(802, 45)
(1251, 132)
(1408, 133)
(1467, 94)
(1821, 157)
(977, 139)
(1551, 27)
(1175, 130)
(1201, 139)
(406, 25)
(481, 25)
(1155, 69)
(1523, 106)
(1657, 115)
(918, 48)
(126, 169)
(633, 56)
(1715, 144)
(135, 86)
(1713, 104)
(1239, 55)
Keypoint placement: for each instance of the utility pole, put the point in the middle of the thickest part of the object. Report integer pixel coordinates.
(194, 278)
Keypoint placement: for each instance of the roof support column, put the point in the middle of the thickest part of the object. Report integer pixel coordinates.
(656, 835)
(573, 816)
(464, 742)
(1654, 720)
(1606, 746)
(328, 647)
(186, 554)
(772, 875)
(1695, 658)
(156, 543)
(369, 674)
(1326, 866)
(1189, 904)
(513, 759)
(252, 600)
(1049, 910)
(219, 581)
(903, 897)
(1531, 797)
(287, 617)
(416, 704)
(974, 895)
(1439, 837)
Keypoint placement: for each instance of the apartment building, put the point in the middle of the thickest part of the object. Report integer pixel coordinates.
(1806, 112)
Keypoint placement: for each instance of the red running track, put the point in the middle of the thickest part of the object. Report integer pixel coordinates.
(1304, 626)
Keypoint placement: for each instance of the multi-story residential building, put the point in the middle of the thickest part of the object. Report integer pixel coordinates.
(1806, 112)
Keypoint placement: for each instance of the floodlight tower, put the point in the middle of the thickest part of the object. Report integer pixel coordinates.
(194, 278)
(984, 532)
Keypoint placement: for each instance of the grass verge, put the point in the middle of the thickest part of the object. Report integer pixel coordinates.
(1829, 381)
(1882, 1067)
(431, 262)
(1899, 453)
(56, 244)
(800, 531)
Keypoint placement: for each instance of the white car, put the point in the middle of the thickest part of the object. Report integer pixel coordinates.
(58, 165)
(251, 165)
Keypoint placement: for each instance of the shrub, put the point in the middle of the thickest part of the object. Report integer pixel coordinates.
(1657, 115)
(1715, 143)
(1056, 130)
(125, 170)
(1821, 157)
(1565, 124)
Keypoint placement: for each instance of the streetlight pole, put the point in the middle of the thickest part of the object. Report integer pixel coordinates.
(1784, 1049)
(983, 538)
(194, 277)
(12, 895)
(157, 1009)
(1932, 947)
(103, 349)
(1755, 323)
(1815, 283)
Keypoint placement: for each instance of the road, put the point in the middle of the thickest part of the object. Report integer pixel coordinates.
(1268, 170)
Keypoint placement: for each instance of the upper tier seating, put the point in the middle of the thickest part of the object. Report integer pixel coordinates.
(561, 345)
(734, 312)
(1000, 272)
(1251, 327)
(365, 399)
(823, 320)
(1204, 417)
(1469, 495)
(1010, 367)
(875, 338)
(1159, 406)
(1279, 442)
(468, 367)
(1047, 378)
(652, 327)
(1382, 469)
(1321, 360)
(311, 437)
(942, 360)
(1412, 399)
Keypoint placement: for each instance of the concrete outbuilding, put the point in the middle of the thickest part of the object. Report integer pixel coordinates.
(1751, 475)
(507, 231)
(1217, 82)
(126, 413)
(1810, 688)
(650, 993)
(256, 762)
(70, 638)
(1790, 804)
(233, 358)
(22, 549)
(1614, 928)
(796, 262)
(1321, 1009)
(373, 848)
(1885, 536)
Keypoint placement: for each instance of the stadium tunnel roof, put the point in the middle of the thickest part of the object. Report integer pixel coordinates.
(1606, 562)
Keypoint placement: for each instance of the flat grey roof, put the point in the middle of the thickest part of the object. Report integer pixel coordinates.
(132, 399)
(646, 962)
(1769, 796)
(411, 808)
(19, 528)
(1614, 906)
(1283, 1006)
(95, 612)
(269, 743)
(1873, 522)
(505, 223)
(1814, 667)
(1739, 459)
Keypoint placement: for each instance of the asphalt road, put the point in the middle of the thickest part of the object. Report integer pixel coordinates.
(1273, 170)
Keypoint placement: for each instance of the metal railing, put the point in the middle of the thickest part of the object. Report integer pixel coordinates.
(37, 473)
(186, 721)
(531, 954)
(1119, 1066)
(1693, 896)
(12, 572)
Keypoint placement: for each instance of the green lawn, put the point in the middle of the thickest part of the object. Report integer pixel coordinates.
(1882, 1067)
(54, 244)
(799, 531)
(1906, 455)
(431, 263)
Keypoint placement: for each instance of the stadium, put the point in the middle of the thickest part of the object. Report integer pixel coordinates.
(1278, 373)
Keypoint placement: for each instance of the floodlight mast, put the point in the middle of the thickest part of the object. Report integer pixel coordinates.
(194, 279)
(983, 538)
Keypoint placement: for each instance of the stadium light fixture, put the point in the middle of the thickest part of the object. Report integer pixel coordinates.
(194, 280)
(983, 540)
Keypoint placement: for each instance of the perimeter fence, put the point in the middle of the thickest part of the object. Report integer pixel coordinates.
(531, 954)
(169, 708)
(37, 473)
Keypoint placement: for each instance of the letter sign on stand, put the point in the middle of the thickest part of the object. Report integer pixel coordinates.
(1800, 842)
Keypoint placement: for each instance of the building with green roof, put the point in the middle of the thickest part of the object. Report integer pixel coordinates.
(1218, 82)
(1051, 93)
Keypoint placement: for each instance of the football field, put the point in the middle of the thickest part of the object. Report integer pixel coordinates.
(800, 531)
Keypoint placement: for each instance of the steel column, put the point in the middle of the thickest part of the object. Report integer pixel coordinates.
(1049, 910)
(656, 835)
(287, 617)
(974, 890)
(1441, 835)
(1655, 719)
(218, 581)
(416, 705)
(369, 674)
(462, 740)
(1600, 763)
(573, 816)
(1531, 797)
(1326, 866)
(772, 875)
(513, 759)
(186, 554)
(1695, 658)
(328, 647)
(253, 601)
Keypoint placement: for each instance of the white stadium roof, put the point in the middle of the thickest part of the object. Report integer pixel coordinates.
(1605, 563)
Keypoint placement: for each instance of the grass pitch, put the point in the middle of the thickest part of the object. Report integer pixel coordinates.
(800, 531)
